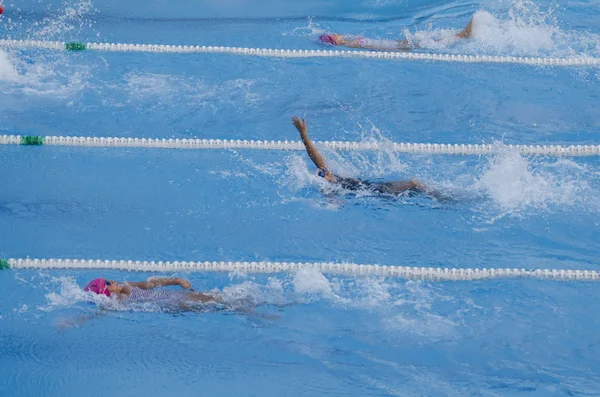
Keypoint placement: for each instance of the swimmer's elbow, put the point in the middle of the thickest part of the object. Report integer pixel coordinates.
(151, 283)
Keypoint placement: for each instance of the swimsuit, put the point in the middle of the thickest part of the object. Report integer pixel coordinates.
(156, 295)
(175, 301)
(383, 188)
(354, 185)
(383, 45)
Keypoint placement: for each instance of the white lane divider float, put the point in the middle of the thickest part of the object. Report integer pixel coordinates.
(405, 272)
(429, 148)
(285, 53)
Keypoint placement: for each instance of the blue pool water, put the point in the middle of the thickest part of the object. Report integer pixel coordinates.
(310, 334)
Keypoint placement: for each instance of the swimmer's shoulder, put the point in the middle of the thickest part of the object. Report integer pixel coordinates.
(126, 290)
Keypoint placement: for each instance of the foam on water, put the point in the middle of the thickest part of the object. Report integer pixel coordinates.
(160, 90)
(50, 75)
(515, 35)
(251, 293)
(517, 184)
(54, 75)
(8, 72)
(311, 282)
(312, 29)
(405, 307)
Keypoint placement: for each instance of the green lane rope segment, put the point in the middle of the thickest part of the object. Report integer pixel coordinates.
(75, 46)
(32, 140)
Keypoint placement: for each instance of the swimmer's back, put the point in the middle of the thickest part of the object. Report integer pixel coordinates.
(155, 295)
(380, 188)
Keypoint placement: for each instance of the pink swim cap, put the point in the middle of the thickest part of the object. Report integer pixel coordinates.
(97, 286)
(327, 39)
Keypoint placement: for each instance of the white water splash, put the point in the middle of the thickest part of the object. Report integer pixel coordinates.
(69, 294)
(8, 71)
(312, 29)
(252, 293)
(51, 77)
(160, 90)
(71, 19)
(311, 282)
(49, 74)
(515, 185)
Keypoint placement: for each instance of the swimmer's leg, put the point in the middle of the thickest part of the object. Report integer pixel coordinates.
(191, 299)
(200, 297)
(415, 186)
(406, 186)
(405, 45)
(467, 31)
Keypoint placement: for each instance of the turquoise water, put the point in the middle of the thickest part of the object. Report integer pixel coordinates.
(311, 334)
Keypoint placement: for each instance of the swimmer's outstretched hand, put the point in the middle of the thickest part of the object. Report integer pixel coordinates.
(185, 284)
(299, 124)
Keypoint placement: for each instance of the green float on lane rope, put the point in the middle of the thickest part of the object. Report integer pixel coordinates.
(75, 46)
(4, 264)
(32, 140)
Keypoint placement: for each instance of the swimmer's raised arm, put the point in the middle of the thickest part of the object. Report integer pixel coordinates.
(467, 31)
(154, 282)
(310, 147)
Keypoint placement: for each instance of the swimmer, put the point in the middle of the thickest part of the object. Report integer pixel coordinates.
(383, 45)
(148, 291)
(381, 188)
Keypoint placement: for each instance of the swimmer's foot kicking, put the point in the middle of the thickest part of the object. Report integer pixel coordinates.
(383, 188)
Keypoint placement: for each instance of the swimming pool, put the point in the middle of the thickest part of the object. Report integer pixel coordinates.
(312, 333)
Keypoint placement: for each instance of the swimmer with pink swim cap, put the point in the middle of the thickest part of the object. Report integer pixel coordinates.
(383, 45)
(99, 286)
(148, 291)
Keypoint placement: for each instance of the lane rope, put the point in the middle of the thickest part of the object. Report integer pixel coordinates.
(430, 148)
(405, 272)
(283, 53)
